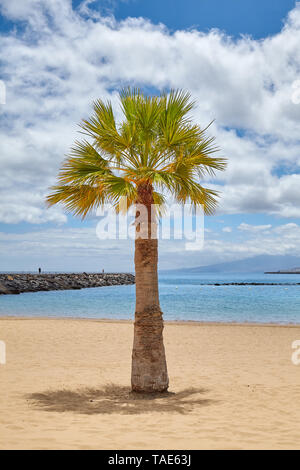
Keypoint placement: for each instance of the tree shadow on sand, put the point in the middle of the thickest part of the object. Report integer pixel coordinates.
(116, 399)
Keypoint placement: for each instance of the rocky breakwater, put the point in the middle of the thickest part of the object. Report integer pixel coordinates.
(18, 283)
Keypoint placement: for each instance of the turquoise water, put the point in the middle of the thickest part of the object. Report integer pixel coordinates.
(182, 297)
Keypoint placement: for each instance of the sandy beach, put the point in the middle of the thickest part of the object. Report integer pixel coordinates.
(65, 385)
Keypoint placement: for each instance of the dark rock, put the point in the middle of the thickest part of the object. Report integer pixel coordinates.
(44, 282)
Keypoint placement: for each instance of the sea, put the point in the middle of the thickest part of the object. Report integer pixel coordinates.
(183, 297)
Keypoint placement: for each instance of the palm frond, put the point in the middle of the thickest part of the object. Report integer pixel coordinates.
(78, 199)
(84, 165)
(156, 143)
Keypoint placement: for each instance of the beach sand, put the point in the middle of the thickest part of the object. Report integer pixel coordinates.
(65, 385)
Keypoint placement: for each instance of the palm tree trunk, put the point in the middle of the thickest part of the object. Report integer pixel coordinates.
(149, 368)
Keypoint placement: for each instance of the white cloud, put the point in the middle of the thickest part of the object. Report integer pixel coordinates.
(227, 229)
(64, 59)
(253, 228)
(80, 249)
(281, 240)
(64, 249)
(28, 206)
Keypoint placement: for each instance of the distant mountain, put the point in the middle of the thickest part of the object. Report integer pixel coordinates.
(261, 263)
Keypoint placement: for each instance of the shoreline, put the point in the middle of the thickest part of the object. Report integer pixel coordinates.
(166, 322)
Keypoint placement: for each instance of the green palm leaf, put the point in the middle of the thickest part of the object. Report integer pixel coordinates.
(156, 144)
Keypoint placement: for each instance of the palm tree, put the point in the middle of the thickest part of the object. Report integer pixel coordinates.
(155, 151)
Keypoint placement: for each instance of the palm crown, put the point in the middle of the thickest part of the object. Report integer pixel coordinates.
(156, 144)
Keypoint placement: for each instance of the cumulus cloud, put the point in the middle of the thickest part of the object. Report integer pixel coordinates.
(80, 249)
(253, 228)
(58, 60)
(58, 249)
(24, 206)
(281, 240)
(227, 229)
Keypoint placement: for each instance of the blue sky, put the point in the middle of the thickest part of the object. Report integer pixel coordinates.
(55, 60)
(257, 18)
